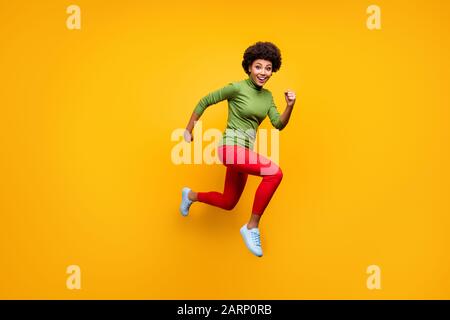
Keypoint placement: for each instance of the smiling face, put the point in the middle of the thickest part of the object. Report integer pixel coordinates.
(260, 71)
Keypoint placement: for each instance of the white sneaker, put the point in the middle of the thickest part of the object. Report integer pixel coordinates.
(185, 202)
(252, 240)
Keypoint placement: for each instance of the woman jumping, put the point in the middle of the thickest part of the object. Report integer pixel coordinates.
(248, 106)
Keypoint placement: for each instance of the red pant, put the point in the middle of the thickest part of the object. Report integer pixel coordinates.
(241, 162)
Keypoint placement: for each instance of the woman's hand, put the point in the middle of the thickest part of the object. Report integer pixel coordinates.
(190, 126)
(188, 136)
(290, 98)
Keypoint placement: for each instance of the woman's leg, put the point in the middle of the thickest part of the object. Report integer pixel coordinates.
(234, 185)
(247, 161)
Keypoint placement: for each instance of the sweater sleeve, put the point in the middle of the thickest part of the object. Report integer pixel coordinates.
(227, 92)
(274, 116)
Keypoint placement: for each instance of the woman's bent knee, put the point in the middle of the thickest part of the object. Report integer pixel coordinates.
(279, 175)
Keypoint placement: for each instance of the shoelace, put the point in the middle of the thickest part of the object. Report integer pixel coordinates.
(256, 238)
(187, 204)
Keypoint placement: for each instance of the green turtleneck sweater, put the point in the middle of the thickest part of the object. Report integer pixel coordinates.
(248, 106)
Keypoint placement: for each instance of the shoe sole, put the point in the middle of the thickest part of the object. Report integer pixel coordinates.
(181, 211)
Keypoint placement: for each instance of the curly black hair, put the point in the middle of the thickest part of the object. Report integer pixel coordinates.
(262, 50)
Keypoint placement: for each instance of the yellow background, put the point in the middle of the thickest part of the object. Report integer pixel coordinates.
(87, 178)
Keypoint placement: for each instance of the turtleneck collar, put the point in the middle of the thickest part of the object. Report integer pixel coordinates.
(252, 84)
